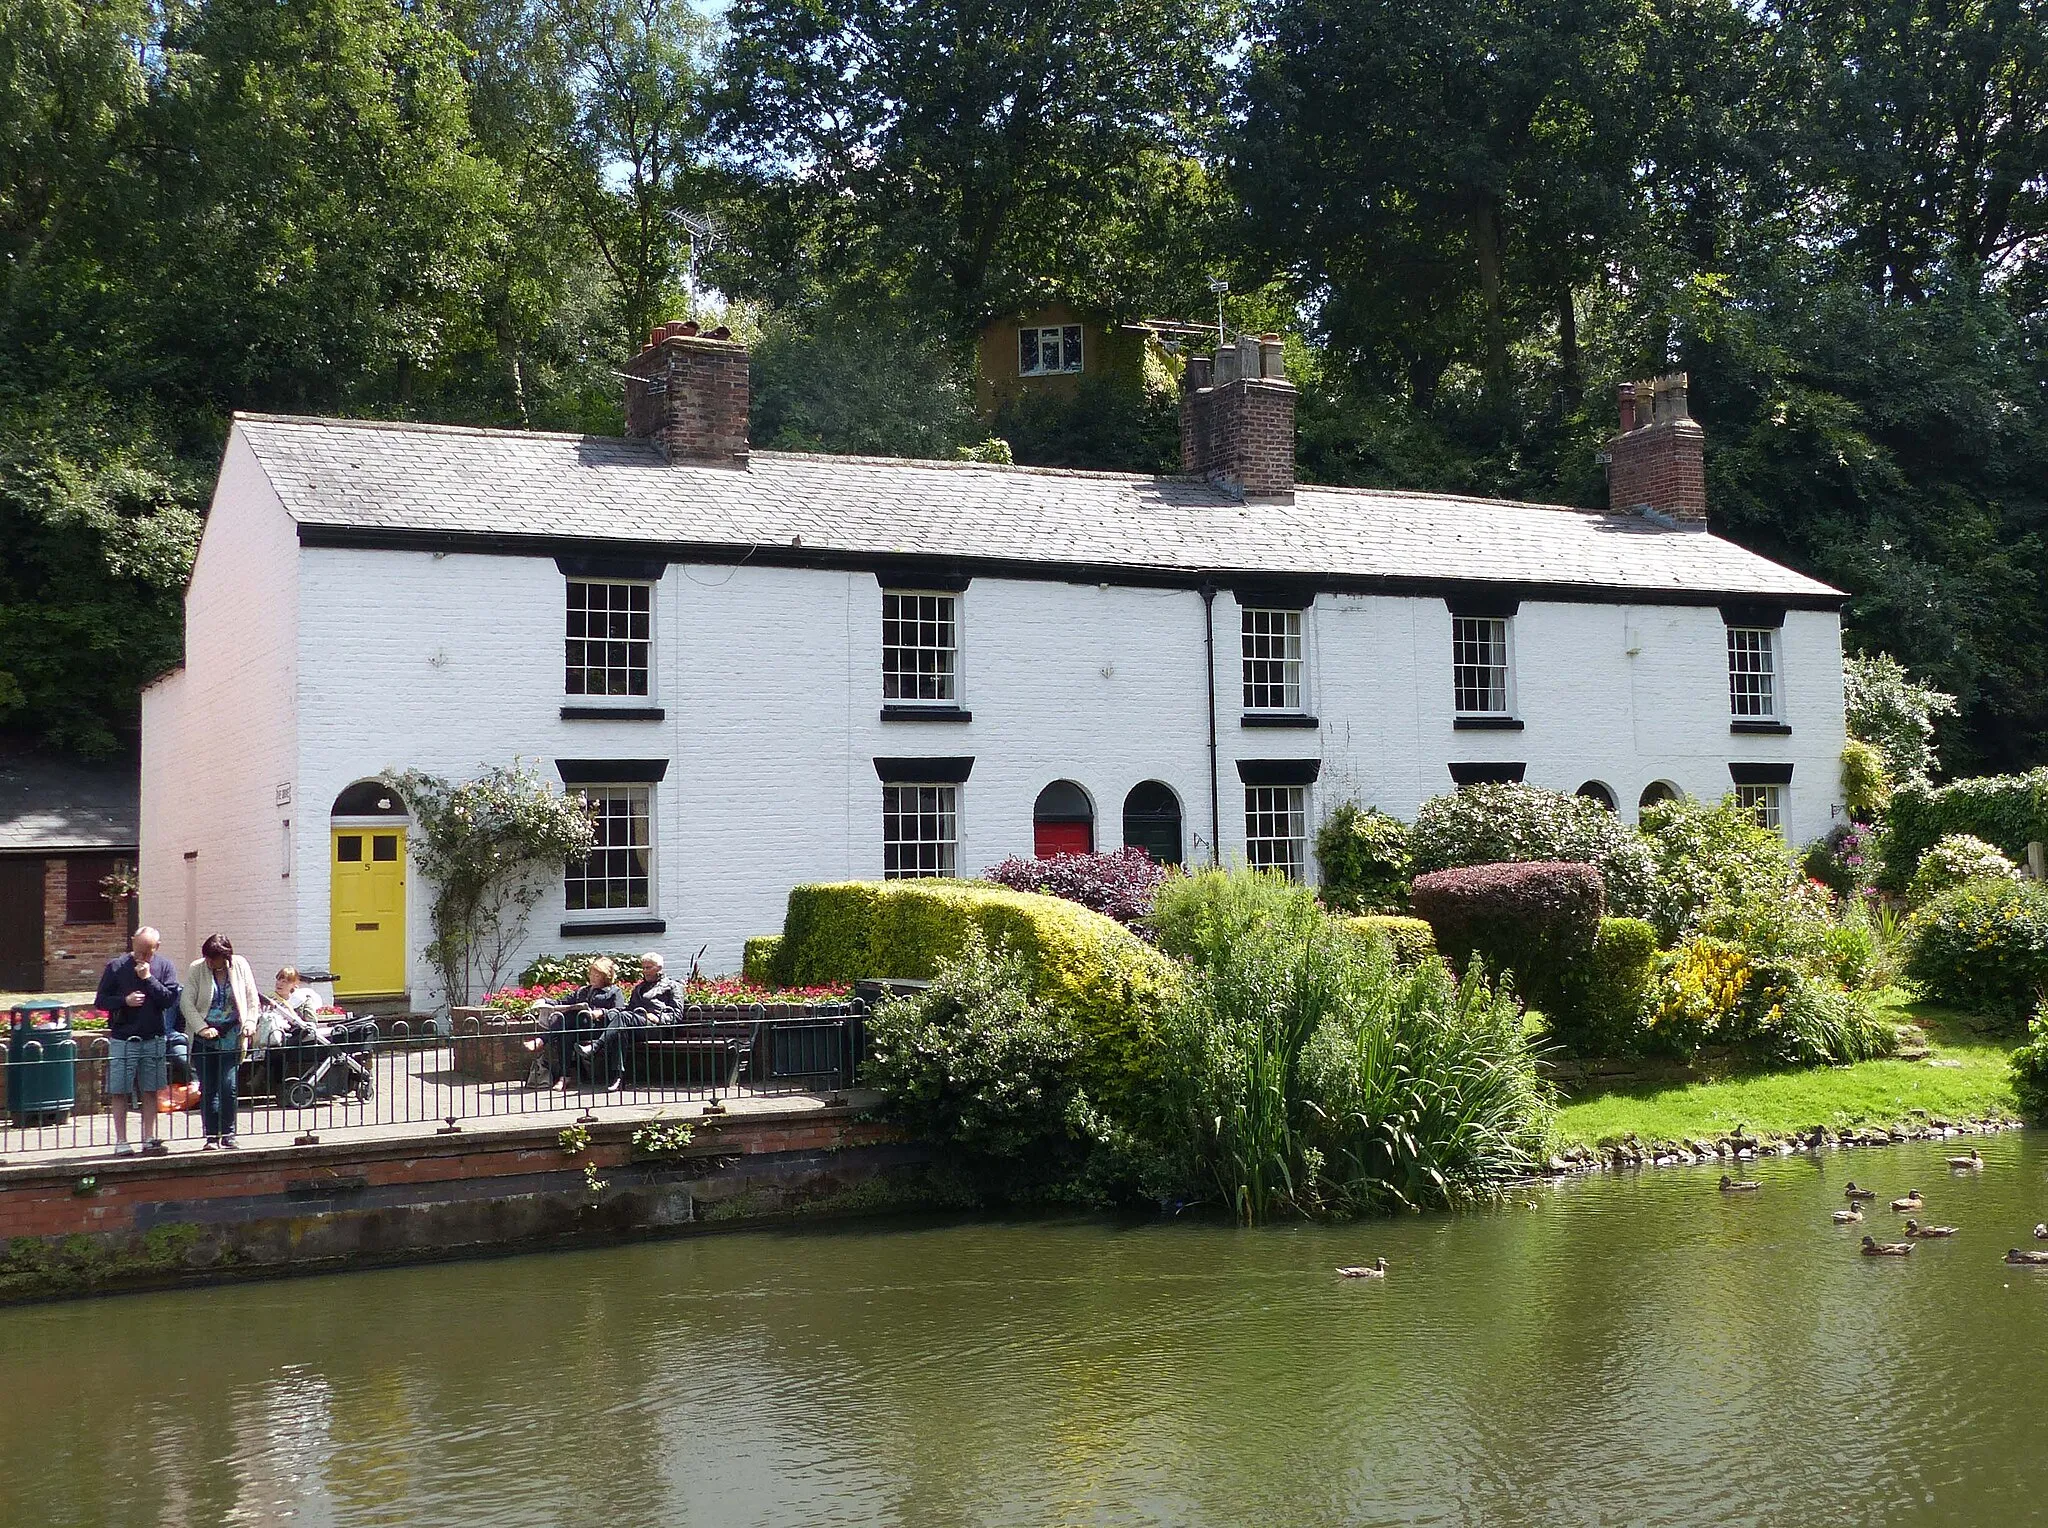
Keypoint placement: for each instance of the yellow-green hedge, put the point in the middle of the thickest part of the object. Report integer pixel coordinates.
(758, 960)
(1412, 939)
(1111, 982)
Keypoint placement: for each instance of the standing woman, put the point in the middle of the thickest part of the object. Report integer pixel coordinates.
(219, 1006)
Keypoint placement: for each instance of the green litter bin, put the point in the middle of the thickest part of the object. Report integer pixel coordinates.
(42, 1085)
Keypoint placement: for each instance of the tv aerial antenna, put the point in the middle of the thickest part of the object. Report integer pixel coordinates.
(706, 231)
(1221, 288)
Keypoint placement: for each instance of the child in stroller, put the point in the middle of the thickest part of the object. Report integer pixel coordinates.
(307, 1060)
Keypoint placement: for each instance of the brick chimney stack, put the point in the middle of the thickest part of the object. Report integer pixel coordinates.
(687, 391)
(1237, 420)
(1657, 464)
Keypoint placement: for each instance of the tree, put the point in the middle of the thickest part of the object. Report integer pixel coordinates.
(1894, 713)
(968, 157)
(488, 845)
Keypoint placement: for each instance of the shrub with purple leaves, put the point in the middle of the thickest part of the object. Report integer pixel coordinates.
(1536, 919)
(1121, 885)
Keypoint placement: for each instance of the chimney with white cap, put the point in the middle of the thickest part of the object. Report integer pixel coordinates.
(1237, 420)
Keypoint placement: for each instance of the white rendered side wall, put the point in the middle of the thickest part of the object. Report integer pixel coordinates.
(217, 738)
(770, 681)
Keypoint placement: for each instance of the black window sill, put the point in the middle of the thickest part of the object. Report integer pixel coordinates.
(613, 714)
(926, 714)
(617, 926)
(1279, 719)
(1487, 724)
(1761, 729)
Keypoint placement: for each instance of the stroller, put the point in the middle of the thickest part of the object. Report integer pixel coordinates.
(311, 1062)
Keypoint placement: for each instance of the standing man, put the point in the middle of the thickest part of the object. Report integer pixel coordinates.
(139, 993)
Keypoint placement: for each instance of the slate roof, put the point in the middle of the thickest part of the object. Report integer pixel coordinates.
(54, 806)
(367, 477)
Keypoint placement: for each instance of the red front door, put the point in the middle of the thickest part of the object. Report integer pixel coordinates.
(1050, 838)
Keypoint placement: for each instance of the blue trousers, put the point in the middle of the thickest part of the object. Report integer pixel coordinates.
(217, 1061)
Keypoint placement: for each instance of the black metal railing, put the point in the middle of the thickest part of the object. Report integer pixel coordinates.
(413, 1078)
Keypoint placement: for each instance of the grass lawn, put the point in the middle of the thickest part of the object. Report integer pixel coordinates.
(1871, 1092)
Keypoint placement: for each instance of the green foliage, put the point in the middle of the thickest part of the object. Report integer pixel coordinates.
(1112, 984)
(1866, 780)
(1953, 859)
(1535, 921)
(761, 958)
(1708, 858)
(99, 520)
(995, 451)
(1108, 423)
(2006, 811)
(1605, 999)
(1310, 1075)
(1501, 823)
(1363, 855)
(979, 1063)
(663, 1138)
(489, 846)
(551, 970)
(1410, 940)
(1981, 947)
(1892, 714)
(1200, 917)
(866, 387)
(1699, 991)
(2030, 1069)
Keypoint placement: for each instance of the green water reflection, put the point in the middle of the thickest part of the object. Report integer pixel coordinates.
(1638, 1352)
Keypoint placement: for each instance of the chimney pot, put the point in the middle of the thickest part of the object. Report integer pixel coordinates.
(1272, 357)
(721, 333)
(1233, 434)
(1658, 460)
(688, 394)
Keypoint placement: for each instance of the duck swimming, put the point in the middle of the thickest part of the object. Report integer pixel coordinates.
(1971, 1163)
(1730, 1186)
(1377, 1270)
(1874, 1248)
(1914, 1228)
(1912, 1201)
(1848, 1217)
(2029, 1259)
(1853, 1193)
(2041, 1231)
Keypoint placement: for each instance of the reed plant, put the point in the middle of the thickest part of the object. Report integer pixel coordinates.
(1312, 1075)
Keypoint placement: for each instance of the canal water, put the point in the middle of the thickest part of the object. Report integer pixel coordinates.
(1637, 1351)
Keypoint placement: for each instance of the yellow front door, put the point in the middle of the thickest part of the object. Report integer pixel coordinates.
(368, 902)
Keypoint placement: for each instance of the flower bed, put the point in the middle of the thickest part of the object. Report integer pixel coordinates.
(709, 992)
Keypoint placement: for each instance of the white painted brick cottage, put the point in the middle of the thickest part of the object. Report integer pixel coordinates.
(767, 668)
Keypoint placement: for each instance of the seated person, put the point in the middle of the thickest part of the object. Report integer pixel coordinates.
(289, 1010)
(655, 1000)
(580, 1012)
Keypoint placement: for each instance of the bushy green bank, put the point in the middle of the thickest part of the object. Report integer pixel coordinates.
(1299, 1066)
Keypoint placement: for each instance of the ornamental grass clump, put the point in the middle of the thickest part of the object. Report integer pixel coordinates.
(1309, 1074)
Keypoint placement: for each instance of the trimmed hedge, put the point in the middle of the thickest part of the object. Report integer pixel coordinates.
(1110, 981)
(2006, 811)
(1533, 919)
(1119, 885)
(1607, 996)
(1507, 822)
(759, 959)
(1411, 939)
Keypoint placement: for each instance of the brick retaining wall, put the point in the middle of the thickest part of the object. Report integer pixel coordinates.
(148, 1222)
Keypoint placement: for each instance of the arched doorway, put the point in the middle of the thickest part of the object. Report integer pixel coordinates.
(1062, 821)
(1597, 790)
(366, 891)
(1152, 821)
(1655, 793)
